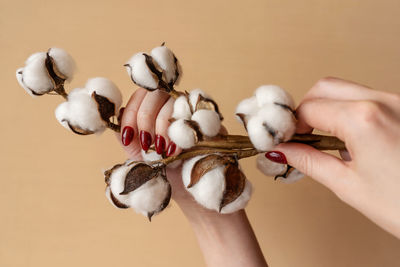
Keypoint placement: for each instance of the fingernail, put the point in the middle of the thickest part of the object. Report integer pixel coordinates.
(145, 140)
(159, 144)
(171, 149)
(276, 156)
(127, 135)
(121, 112)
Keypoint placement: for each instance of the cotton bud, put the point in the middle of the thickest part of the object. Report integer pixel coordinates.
(245, 109)
(208, 121)
(271, 125)
(291, 175)
(198, 99)
(144, 71)
(139, 186)
(181, 133)
(182, 108)
(167, 61)
(44, 72)
(273, 94)
(268, 167)
(216, 183)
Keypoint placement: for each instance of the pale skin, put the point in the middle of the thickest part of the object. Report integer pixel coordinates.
(366, 177)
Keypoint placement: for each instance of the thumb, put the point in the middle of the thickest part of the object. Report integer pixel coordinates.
(324, 168)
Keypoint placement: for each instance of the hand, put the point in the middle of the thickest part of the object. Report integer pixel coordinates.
(368, 121)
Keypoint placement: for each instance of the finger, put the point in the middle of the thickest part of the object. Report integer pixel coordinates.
(147, 114)
(324, 168)
(129, 133)
(161, 128)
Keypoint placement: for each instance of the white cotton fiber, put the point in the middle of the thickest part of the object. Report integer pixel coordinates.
(209, 190)
(33, 57)
(62, 114)
(258, 134)
(35, 75)
(181, 134)
(281, 120)
(105, 87)
(241, 201)
(64, 62)
(194, 97)
(293, 177)
(166, 60)
(150, 155)
(208, 120)
(181, 108)
(19, 79)
(141, 73)
(269, 94)
(268, 167)
(247, 107)
(117, 184)
(149, 197)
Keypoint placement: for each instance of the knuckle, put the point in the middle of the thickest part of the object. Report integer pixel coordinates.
(368, 113)
(326, 81)
(144, 116)
(306, 164)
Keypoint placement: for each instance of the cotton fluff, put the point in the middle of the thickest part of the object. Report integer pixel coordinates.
(140, 72)
(64, 62)
(34, 76)
(181, 108)
(259, 136)
(268, 94)
(292, 177)
(208, 192)
(241, 201)
(167, 62)
(269, 167)
(80, 111)
(105, 87)
(248, 107)
(150, 155)
(181, 134)
(194, 97)
(19, 76)
(208, 120)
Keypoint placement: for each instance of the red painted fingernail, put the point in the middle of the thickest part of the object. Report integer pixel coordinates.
(171, 149)
(127, 135)
(121, 112)
(159, 144)
(276, 156)
(145, 140)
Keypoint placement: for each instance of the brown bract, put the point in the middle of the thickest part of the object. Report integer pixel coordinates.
(208, 103)
(139, 175)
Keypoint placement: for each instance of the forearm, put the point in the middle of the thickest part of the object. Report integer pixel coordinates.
(225, 239)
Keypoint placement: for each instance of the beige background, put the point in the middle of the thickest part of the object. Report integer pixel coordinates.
(53, 209)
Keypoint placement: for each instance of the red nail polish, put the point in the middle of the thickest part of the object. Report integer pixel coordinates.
(121, 112)
(276, 156)
(171, 149)
(127, 135)
(159, 144)
(145, 140)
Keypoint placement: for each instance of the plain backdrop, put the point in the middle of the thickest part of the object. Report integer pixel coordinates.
(52, 203)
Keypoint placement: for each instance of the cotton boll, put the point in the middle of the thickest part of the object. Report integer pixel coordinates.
(140, 72)
(209, 190)
(64, 62)
(19, 76)
(105, 87)
(269, 167)
(150, 155)
(208, 121)
(117, 184)
(293, 176)
(241, 201)
(181, 134)
(268, 94)
(247, 107)
(35, 76)
(61, 113)
(167, 62)
(280, 120)
(181, 108)
(194, 97)
(259, 136)
(149, 198)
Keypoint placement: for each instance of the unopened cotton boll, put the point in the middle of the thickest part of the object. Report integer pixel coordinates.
(106, 88)
(167, 61)
(64, 62)
(209, 190)
(268, 167)
(208, 120)
(292, 177)
(181, 134)
(182, 108)
(140, 71)
(194, 97)
(241, 201)
(269, 94)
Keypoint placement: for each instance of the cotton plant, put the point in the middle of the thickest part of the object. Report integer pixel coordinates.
(210, 157)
